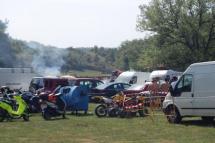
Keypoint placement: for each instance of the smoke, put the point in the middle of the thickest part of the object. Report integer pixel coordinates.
(6, 52)
(47, 60)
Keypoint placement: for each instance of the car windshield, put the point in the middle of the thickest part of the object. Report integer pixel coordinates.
(71, 82)
(102, 86)
(136, 87)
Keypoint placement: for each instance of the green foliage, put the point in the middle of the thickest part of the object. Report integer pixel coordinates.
(183, 33)
(87, 59)
(190, 23)
(3, 26)
(128, 54)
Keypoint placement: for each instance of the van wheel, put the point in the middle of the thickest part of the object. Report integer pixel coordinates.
(207, 119)
(173, 115)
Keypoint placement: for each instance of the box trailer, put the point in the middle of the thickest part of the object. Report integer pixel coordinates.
(16, 78)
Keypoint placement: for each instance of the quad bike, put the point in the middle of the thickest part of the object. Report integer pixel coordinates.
(13, 107)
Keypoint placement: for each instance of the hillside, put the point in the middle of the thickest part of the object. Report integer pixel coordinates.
(49, 59)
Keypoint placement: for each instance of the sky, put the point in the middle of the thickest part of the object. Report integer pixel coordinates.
(72, 23)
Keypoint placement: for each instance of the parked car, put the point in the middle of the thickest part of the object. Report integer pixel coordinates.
(88, 82)
(108, 89)
(136, 89)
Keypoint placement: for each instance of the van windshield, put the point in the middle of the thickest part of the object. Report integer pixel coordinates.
(37, 83)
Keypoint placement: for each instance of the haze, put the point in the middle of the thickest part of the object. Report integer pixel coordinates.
(72, 23)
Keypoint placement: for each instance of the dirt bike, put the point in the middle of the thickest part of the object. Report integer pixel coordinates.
(13, 107)
(133, 105)
(109, 106)
(121, 105)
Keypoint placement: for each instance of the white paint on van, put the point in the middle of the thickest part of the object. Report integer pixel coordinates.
(127, 76)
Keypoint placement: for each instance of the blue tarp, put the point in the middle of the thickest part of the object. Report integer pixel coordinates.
(77, 98)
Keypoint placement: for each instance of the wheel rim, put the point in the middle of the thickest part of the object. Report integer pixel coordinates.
(101, 111)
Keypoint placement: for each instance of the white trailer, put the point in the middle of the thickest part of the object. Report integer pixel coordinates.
(16, 78)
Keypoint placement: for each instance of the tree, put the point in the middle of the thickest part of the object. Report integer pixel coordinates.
(185, 23)
(128, 54)
(3, 26)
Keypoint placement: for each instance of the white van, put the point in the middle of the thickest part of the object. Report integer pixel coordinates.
(193, 94)
(133, 77)
(162, 74)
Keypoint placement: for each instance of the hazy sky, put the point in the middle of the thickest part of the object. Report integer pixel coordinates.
(75, 23)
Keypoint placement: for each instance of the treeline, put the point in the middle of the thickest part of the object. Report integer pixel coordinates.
(17, 53)
(182, 32)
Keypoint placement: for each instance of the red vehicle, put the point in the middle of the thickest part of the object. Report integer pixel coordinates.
(136, 89)
(47, 84)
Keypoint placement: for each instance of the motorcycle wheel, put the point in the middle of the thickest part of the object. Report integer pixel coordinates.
(26, 115)
(101, 110)
(2, 115)
(64, 115)
(46, 115)
(122, 114)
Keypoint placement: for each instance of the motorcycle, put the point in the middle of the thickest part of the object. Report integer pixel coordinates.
(53, 109)
(13, 107)
(133, 105)
(109, 106)
(121, 105)
(32, 101)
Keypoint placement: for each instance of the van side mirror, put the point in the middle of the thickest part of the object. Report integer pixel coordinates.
(175, 92)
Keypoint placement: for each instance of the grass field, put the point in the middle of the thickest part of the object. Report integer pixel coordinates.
(91, 129)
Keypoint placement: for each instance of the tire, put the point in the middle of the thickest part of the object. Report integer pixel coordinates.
(133, 114)
(207, 119)
(26, 115)
(113, 113)
(46, 115)
(2, 115)
(122, 114)
(64, 115)
(101, 110)
(173, 115)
